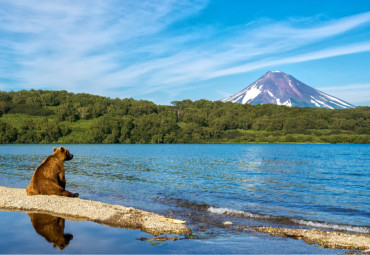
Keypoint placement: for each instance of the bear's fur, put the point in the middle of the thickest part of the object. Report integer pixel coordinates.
(49, 178)
(51, 228)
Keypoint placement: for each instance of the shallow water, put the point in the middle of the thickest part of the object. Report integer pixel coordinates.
(20, 236)
(323, 186)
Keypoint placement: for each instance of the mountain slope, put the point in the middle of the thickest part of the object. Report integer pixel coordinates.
(276, 87)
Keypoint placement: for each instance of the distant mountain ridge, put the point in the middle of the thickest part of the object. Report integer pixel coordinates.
(279, 88)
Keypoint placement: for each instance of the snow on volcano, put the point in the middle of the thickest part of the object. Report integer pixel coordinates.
(276, 87)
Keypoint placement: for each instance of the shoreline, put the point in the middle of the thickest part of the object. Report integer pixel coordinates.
(214, 143)
(76, 209)
(322, 238)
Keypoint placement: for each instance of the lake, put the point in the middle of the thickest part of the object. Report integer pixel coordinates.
(291, 185)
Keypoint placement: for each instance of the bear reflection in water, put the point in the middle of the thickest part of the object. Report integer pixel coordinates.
(51, 228)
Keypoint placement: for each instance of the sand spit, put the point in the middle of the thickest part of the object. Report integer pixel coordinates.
(12, 199)
(326, 239)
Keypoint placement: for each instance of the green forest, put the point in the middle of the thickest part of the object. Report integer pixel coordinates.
(40, 116)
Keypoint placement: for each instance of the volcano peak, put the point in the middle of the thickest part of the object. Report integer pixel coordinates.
(276, 87)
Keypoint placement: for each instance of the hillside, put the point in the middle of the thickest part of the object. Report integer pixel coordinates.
(63, 117)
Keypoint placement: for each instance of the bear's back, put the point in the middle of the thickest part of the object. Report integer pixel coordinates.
(49, 167)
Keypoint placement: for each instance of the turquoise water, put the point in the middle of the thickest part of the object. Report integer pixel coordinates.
(322, 186)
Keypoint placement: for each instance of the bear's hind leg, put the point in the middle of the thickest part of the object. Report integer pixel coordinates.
(69, 194)
(51, 188)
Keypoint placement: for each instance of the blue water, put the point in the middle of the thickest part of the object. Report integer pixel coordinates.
(19, 237)
(322, 186)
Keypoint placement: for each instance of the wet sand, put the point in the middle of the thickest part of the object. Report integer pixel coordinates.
(325, 239)
(76, 209)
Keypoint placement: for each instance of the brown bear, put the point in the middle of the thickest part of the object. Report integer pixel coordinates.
(51, 228)
(49, 178)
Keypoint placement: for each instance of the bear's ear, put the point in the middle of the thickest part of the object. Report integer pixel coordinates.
(62, 149)
(54, 149)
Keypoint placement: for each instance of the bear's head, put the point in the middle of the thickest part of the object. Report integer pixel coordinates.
(63, 153)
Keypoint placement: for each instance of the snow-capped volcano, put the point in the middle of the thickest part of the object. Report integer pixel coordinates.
(276, 87)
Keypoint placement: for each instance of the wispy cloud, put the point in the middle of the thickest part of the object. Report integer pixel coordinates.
(357, 94)
(68, 44)
(243, 52)
(320, 54)
(108, 46)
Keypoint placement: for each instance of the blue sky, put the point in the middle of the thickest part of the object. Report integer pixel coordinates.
(173, 50)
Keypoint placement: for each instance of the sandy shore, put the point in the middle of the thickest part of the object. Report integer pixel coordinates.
(12, 199)
(326, 239)
(76, 209)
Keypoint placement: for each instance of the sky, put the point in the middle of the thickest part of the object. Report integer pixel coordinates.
(170, 50)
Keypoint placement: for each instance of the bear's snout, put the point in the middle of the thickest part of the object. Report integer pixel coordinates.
(70, 156)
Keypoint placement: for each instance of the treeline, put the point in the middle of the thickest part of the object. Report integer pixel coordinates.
(63, 117)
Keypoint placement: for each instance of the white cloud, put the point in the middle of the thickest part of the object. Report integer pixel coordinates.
(320, 54)
(239, 53)
(357, 94)
(67, 44)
